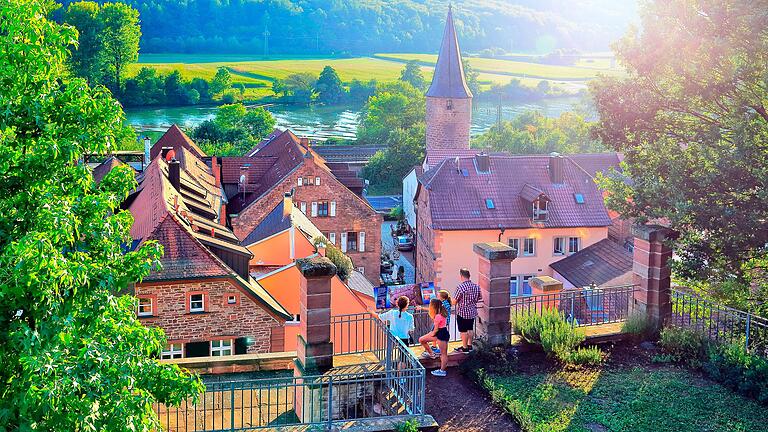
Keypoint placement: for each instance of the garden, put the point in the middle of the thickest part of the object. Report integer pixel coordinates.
(679, 381)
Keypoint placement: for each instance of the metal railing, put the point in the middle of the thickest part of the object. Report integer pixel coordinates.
(423, 324)
(580, 306)
(380, 377)
(719, 323)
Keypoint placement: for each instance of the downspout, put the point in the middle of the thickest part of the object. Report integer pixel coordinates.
(501, 232)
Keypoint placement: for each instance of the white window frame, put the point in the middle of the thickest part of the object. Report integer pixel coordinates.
(522, 284)
(361, 241)
(299, 181)
(533, 253)
(516, 280)
(314, 208)
(317, 181)
(539, 214)
(303, 207)
(232, 297)
(332, 238)
(332, 209)
(172, 351)
(202, 302)
(343, 243)
(578, 245)
(145, 313)
(563, 246)
(516, 245)
(222, 347)
(361, 270)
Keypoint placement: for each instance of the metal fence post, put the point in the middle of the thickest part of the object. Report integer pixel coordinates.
(749, 321)
(232, 407)
(330, 402)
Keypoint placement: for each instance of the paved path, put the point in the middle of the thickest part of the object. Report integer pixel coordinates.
(388, 244)
(459, 405)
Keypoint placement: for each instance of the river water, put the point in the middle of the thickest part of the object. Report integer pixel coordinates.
(322, 122)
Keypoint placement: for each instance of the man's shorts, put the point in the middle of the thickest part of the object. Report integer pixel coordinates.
(465, 324)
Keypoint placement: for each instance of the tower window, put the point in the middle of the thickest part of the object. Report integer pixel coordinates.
(449, 104)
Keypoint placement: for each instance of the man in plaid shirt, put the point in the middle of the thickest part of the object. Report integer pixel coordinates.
(466, 299)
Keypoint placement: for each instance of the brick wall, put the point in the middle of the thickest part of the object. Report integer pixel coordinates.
(220, 320)
(427, 256)
(448, 129)
(353, 214)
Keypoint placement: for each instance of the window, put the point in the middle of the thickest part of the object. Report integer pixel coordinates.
(317, 181)
(198, 349)
(529, 247)
(343, 242)
(559, 246)
(221, 348)
(489, 203)
(351, 241)
(231, 299)
(519, 285)
(513, 286)
(514, 244)
(308, 181)
(314, 208)
(172, 351)
(579, 198)
(303, 207)
(449, 104)
(332, 238)
(322, 209)
(540, 210)
(361, 243)
(574, 244)
(299, 181)
(361, 270)
(196, 303)
(333, 208)
(527, 290)
(145, 307)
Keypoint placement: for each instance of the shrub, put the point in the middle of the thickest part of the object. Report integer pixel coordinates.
(733, 366)
(550, 330)
(591, 356)
(228, 98)
(684, 345)
(407, 426)
(637, 324)
(494, 359)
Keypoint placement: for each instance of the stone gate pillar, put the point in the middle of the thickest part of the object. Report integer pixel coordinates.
(651, 272)
(494, 261)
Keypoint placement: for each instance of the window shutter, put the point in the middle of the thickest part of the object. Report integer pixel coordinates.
(314, 208)
(343, 242)
(317, 181)
(332, 238)
(304, 208)
(361, 242)
(300, 181)
(333, 208)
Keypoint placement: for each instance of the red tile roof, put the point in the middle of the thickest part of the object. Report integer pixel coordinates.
(599, 263)
(176, 139)
(104, 168)
(458, 201)
(256, 168)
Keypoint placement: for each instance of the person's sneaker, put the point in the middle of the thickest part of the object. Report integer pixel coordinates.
(435, 349)
(426, 355)
(461, 350)
(439, 373)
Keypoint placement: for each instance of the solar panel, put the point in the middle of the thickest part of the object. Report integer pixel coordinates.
(579, 198)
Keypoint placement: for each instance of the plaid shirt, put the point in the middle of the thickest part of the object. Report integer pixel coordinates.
(467, 297)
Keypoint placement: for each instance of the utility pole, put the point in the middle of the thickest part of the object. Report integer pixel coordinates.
(266, 40)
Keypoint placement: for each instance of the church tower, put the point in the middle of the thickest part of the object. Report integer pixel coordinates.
(449, 100)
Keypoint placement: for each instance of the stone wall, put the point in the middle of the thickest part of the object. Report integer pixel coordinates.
(221, 320)
(427, 257)
(448, 128)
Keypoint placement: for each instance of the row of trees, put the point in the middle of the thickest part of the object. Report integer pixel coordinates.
(234, 130)
(327, 88)
(149, 87)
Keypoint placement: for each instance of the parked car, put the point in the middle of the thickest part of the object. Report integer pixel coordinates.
(404, 243)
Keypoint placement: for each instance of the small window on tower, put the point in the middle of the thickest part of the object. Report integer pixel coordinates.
(449, 104)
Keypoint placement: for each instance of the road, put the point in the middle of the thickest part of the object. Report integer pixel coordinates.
(406, 258)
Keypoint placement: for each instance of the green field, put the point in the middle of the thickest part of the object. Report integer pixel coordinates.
(257, 73)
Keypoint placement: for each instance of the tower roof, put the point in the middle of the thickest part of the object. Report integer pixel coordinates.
(448, 80)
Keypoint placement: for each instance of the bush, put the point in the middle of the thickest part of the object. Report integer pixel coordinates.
(550, 330)
(637, 324)
(591, 356)
(500, 360)
(684, 345)
(407, 426)
(733, 366)
(228, 98)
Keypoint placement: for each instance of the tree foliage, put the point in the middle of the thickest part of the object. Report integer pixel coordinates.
(221, 81)
(534, 133)
(73, 355)
(690, 118)
(343, 263)
(234, 130)
(300, 87)
(329, 88)
(411, 74)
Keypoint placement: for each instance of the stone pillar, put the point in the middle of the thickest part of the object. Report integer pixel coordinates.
(651, 272)
(494, 271)
(314, 350)
(547, 285)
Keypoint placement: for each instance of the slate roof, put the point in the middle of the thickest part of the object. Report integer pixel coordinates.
(175, 138)
(599, 263)
(597, 162)
(448, 80)
(458, 201)
(346, 153)
(358, 282)
(277, 221)
(435, 156)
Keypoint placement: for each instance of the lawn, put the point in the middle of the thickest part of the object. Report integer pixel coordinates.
(623, 397)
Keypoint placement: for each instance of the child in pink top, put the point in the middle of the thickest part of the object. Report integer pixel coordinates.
(439, 334)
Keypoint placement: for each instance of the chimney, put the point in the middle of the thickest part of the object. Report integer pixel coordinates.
(174, 174)
(556, 168)
(147, 147)
(483, 163)
(287, 204)
(305, 142)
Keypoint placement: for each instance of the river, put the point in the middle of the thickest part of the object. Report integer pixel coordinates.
(322, 122)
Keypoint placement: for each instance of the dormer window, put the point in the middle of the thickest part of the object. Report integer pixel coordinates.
(540, 211)
(449, 104)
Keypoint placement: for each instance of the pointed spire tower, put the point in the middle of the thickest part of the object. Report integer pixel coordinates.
(449, 100)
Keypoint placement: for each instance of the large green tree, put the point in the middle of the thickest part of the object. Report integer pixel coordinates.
(411, 74)
(300, 86)
(73, 355)
(234, 130)
(329, 89)
(120, 40)
(221, 81)
(85, 59)
(690, 118)
(396, 105)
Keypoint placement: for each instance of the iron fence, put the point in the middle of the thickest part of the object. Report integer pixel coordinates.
(581, 307)
(423, 324)
(719, 323)
(389, 381)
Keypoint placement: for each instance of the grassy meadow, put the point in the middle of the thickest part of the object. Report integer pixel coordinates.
(256, 73)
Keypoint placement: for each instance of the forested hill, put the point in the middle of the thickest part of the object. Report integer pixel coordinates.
(368, 26)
